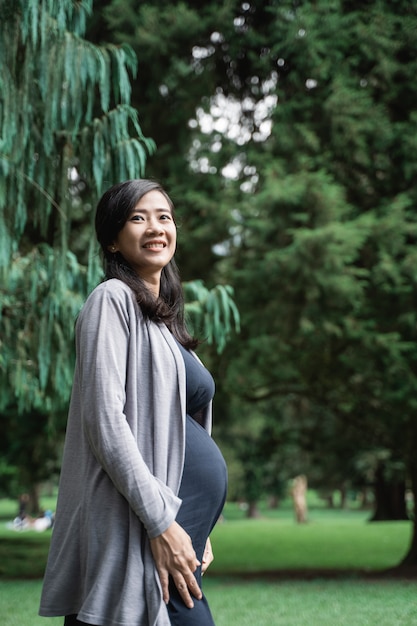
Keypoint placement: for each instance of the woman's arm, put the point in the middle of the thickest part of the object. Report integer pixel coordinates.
(103, 335)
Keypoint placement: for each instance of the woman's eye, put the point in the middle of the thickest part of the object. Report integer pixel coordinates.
(166, 217)
(137, 218)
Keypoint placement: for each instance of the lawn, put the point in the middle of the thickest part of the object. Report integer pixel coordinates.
(331, 540)
(314, 603)
(340, 540)
(268, 571)
(236, 603)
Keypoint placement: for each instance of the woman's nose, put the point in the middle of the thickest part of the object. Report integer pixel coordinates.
(154, 226)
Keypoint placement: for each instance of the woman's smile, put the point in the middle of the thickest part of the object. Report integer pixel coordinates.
(152, 245)
(148, 239)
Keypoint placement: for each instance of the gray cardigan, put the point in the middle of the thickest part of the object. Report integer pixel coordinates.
(122, 465)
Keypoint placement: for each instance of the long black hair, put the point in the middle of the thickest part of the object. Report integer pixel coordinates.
(113, 211)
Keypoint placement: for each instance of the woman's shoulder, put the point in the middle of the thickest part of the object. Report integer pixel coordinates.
(112, 293)
(113, 288)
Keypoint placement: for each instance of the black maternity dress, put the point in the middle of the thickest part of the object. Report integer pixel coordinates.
(203, 487)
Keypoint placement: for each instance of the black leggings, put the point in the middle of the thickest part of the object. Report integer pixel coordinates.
(71, 620)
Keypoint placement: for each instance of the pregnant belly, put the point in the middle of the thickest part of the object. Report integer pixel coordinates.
(204, 483)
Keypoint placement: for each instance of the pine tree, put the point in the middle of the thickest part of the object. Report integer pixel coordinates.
(67, 132)
(66, 125)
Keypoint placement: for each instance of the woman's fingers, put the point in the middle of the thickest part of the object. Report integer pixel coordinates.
(164, 578)
(174, 555)
(208, 556)
(186, 587)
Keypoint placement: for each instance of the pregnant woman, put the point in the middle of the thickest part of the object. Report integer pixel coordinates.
(142, 481)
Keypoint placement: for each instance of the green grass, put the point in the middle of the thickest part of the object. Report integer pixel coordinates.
(23, 555)
(237, 603)
(342, 541)
(314, 603)
(19, 602)
(332, 540)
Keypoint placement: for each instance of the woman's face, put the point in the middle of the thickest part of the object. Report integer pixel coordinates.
(148, 239)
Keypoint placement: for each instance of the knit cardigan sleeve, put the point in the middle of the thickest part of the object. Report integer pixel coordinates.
(107, 339)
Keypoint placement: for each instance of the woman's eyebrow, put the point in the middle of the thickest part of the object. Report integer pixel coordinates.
(143, 210)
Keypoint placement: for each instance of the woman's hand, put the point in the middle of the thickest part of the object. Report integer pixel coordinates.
(174, 555)
(208, 556)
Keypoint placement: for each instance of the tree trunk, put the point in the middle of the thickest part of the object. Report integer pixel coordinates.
(365, 498)
(253, 510)
(330, 501)
(33, 505)
(273, 502)
(343, 497)
(390, 504)
(410, 559)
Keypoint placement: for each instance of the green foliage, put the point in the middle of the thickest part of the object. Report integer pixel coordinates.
(73, 113)
(212, 314)
(322, 251)
(171, 84)
(37, 319)
(67, 129)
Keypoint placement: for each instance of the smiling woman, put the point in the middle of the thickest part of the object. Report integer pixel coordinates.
(115, 212)
(142, 481)
(147, 241)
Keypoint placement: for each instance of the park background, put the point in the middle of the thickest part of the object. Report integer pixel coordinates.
(286, 134)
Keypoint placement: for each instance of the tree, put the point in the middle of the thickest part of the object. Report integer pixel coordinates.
(66, 124)
(68, 130)
(332, 216)
(318, 225)
(182, 64)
